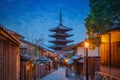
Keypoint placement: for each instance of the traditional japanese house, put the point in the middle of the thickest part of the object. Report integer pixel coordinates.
(18, 37)
(9, 55)
(29, 54)
(109, 56)
(27, 68)
(40, 66)
(30, 48)
(79, 53)
(51, 59)
(60, 35)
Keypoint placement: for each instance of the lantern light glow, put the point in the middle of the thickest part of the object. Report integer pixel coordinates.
(86, 44)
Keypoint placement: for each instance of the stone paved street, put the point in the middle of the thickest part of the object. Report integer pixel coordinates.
(56, 75)
(60, 75)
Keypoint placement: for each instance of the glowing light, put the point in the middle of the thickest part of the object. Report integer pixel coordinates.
(86, 44)
(55, 58)
(66, 60)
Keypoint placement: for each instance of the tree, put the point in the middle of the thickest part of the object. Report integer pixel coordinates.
(38, 41)
(104, 15)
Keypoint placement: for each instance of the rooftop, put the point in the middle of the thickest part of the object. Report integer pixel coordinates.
(61, 27)
(61, 34)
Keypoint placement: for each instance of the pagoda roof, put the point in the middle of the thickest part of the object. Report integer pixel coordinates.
(57, 46)
(61, 27)
(61, 40)
(61, 34)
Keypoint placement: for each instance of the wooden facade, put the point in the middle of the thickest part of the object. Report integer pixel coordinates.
(27, 69)
(41, 68)
(80, 64)
(110, 56)
(110, 63)
(9, 50)
(93, 66)
(28, 56)
(52, 56)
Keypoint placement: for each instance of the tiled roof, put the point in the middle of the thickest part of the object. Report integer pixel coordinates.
(61, 27)
(76, 57)
(61, 34)
(61, 40)
(70, 61)
(4, 32)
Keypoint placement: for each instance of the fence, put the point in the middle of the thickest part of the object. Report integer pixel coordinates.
(110, 58)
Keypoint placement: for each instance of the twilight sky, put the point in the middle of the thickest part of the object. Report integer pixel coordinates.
(34, 18)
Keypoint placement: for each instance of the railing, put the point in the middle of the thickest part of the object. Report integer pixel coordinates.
(105, 76)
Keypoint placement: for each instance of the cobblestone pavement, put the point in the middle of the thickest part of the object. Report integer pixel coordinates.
(56, 75)
(73, 76)
(61, 74)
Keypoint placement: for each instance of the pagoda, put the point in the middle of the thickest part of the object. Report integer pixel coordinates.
(60, 35)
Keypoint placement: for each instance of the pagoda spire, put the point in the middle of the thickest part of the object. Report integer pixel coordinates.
(60, 16)
(60, 35)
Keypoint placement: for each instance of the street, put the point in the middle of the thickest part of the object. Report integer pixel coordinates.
(56, 75)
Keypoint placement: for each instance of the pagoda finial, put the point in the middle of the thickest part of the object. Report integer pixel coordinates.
(60, 16)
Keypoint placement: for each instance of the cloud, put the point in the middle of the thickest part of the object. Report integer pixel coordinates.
(38, 16)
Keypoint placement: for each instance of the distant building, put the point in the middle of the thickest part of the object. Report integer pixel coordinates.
(79, 49)
(60, 36)
(29, 53)
(79, 64)
(36, 61)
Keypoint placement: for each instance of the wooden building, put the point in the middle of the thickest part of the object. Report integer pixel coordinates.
(53, 57)
(9, 54)
(27, 68)
(80, 62)
(29, 48)
(41, 65)
(29, 54)
(110, 56)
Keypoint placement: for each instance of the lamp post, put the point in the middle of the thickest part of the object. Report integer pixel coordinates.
(66, 63)
(86, 47)
(56, 62)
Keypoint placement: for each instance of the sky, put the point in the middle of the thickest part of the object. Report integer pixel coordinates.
(34, 18)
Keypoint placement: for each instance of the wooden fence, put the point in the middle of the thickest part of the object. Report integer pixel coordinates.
(110, 58)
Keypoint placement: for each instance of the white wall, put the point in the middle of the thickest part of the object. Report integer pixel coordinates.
(81, 51)
(91, 53)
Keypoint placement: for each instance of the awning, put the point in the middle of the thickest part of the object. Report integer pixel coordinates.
(76, 57)
(70, 61)
(43, 59)
(27, 57)
(49, 60)
(81, 61)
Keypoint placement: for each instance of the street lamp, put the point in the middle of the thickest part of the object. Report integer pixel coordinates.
(55, 58)
(86, 44)
(86, 47)
(56, 62)
(66, 60)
